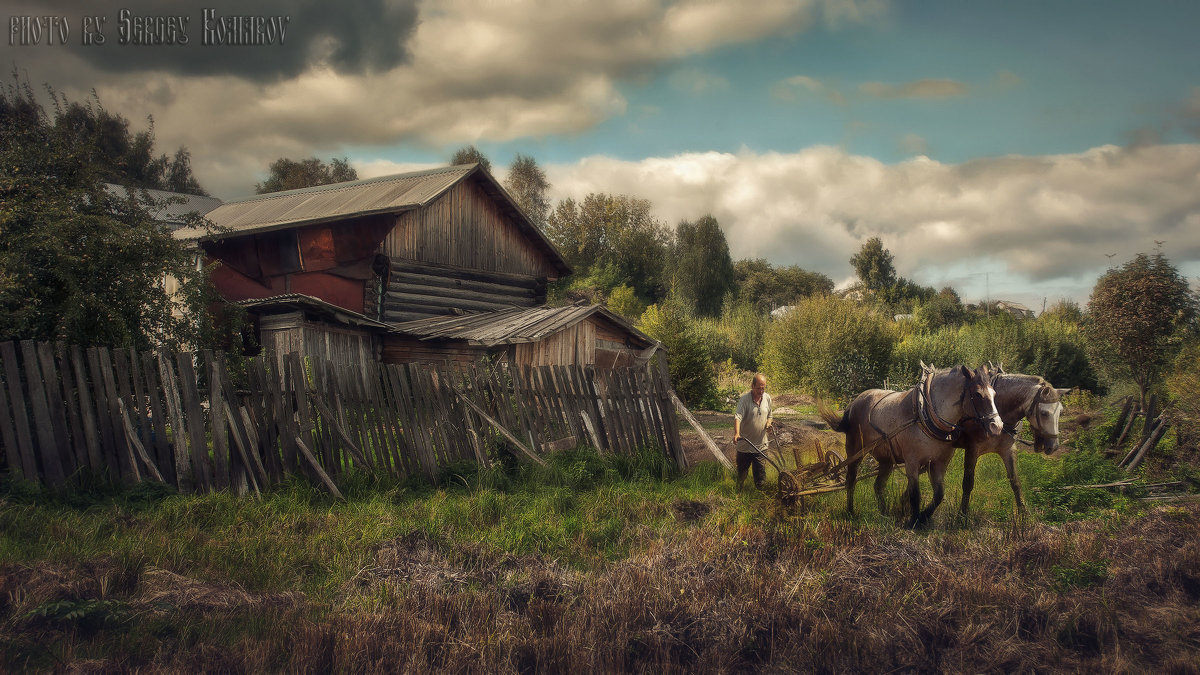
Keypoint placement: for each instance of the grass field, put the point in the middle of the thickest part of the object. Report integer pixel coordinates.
(599, 564)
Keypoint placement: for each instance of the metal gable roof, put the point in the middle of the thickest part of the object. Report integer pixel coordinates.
(278, 210)
(172, 207)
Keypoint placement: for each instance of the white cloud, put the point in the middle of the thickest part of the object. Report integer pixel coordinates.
(473, 71)
(926, 88)
(1036, 225)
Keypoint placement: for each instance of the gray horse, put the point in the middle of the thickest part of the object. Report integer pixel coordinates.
(914, 428)
(1018, 397)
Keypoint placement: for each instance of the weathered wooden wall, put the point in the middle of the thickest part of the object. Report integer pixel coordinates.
(402, 349)
(572, 346)
(182, 420)
(282, 334)
(466, 228)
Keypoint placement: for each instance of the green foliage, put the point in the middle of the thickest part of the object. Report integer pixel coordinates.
(470, 155)
(118, 156)
(624, 301)
(830, 346)
(940, 311)
(1183, 386)
(288, 174)
(616, 232)
(873, 265)
(766, 287)
(1082, 575)
(688, 360)
(1049, 348)
(78, 263)
(701, 269)
(737, 335)
(1064, 311)
(527, 184)
(1137, 315)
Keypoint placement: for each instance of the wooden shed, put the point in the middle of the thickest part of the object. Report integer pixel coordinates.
(444, 245)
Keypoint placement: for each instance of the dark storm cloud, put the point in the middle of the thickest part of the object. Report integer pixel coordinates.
(351, 37)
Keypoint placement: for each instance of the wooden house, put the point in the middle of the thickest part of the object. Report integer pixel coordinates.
(409, 267)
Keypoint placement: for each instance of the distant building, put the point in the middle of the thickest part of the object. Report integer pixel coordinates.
(1016, 309)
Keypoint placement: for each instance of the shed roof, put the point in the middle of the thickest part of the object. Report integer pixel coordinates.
(512, 326)
(340, 201)
(290, 302)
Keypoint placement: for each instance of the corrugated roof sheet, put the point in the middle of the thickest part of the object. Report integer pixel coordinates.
(175, 205)
(510, 326)
(386, 194)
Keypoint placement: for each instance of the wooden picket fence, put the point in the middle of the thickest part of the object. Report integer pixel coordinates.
(187, 420)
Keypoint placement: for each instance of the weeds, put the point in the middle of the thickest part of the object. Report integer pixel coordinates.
(591, 564)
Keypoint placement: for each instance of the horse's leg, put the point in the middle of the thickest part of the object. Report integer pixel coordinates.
(937, 477)
(885, 470)
(851, 479)
(970, 459)
(912, 469)
(1010, 465)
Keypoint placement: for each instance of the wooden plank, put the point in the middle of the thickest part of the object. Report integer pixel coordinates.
(189, 391)
(154, 396)
(221, 396)
(529, 454)
(307, 454)
(114, 376)
(8, 431)
(355, 453)
(594, 414)
(708, 441)
(135, 444)
(87, 411)
(100, 399)
(21, 415)
(63, 450)
(184, 474)
(265, 407)
(254, 470)
(304, 414)
(407, 461)
(612, 417)
(662, 379)
(50, 463)
(141, 407)
(415, 429)
(524, 402)
(70, 402)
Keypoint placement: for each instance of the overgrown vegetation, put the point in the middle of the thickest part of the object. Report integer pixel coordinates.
(593, 563)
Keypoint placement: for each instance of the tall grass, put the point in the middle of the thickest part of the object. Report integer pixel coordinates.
(590, 564)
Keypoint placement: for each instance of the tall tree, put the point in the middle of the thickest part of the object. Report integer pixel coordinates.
(1136, 314)
(873, 264)
(119, 156)
(78, 263)
(616, 238)
(701, 269)
(470, 155)
(287, 174)
(527, 184)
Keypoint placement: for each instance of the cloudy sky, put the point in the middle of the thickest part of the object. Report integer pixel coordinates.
(1010, 149)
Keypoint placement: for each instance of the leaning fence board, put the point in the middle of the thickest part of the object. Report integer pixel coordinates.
(194, 415)
(531, 455)
(70, 401)
(708, 441)
(53, 388)
(668, 414)
(46, 448)
(172, 400)
(135, 444)
(162, 450)
(116, 374)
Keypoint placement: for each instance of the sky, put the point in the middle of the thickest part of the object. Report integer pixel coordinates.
(1011, 149)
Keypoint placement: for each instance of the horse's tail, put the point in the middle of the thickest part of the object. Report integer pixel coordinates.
(831, 418)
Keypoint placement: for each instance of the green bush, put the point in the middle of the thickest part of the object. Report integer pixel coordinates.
(736, 335)
(830, 346)
(691, 369)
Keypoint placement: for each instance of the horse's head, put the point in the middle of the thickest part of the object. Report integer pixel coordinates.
(980, 390)
(1043, 415)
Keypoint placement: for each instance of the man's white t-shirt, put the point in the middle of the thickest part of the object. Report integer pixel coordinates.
(754, 419)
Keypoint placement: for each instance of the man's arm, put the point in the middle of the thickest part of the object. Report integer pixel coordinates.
(737, 429)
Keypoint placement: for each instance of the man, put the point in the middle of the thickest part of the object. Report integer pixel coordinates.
(751, 421)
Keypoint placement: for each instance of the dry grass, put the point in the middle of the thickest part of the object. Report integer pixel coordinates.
(1111, 595)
